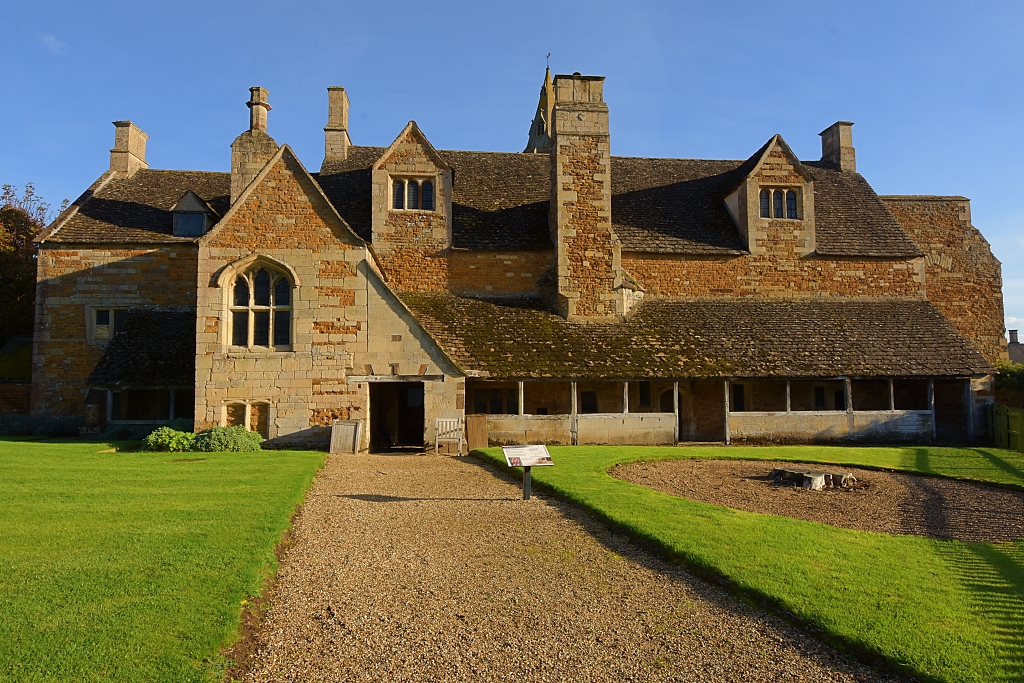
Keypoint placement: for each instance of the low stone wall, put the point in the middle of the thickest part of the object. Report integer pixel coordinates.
(634, 429)
(551, 430)
(880, 425)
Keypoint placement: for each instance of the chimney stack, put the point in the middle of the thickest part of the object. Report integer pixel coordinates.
(336, 139)
(1013, 337)
(129, 153)
(252, 149)
(837, 146)
(258, 107)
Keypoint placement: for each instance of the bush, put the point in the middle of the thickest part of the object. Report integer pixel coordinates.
(168, 440)
(236, 439)
(1010, 377)
(127, 432)
(30, 425)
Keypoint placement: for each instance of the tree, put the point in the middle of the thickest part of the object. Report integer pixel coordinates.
(21, 220)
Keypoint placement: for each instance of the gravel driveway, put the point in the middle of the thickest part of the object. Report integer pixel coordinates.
(432, 568)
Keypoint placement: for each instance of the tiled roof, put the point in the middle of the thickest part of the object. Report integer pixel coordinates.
(138, 209)
(708, 338)
(156, 348)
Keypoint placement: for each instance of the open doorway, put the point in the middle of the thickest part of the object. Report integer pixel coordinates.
(396, 416)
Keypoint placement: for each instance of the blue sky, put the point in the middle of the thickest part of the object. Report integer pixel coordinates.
(936, 89)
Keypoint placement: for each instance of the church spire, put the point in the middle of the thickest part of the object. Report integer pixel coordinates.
(540, 129)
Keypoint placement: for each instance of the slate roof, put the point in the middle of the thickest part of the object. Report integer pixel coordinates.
(138, 209)
(707, 338)
(500, 202)
(156, 348)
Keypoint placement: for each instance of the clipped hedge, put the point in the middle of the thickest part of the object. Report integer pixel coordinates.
(233, 439)
(31, 425)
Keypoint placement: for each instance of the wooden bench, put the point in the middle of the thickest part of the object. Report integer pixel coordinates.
(448, 430)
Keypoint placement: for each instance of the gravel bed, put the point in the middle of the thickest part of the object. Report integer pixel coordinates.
(432, 568)
(883, 502)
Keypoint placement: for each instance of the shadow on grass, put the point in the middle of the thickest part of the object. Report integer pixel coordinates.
(380, 498)
(993, 576)
(1000, 463)
(921, 461)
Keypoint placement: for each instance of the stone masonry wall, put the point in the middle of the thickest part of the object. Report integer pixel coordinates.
(343, 321)
(71, 282)
(963, 278)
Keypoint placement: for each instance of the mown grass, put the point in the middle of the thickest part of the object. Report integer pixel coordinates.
(944, 610)
(131, 566)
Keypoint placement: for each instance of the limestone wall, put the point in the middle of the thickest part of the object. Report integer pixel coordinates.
(896, 425)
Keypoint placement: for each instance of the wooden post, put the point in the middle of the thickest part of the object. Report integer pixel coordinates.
(892, 396)
(675, 410)
(969, 409)
(728, 438)
(931, 403)
(625, 397)
(110, 405)
(848, 391)
(520, 398)
(789, 403)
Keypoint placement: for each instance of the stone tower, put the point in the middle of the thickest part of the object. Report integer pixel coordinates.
(540, 129)
(591, 283)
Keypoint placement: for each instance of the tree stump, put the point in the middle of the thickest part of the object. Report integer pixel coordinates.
(813, 479)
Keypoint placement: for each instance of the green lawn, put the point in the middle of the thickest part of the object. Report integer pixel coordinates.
(130, 566)
(945, 610)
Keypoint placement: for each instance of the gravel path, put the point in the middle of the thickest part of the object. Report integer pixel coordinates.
(432, 568)
(883, 502)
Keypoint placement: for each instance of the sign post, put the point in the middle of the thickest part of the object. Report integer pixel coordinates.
(527, 457)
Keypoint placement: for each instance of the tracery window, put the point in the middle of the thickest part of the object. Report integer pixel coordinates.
(416, 194)
(261, 310)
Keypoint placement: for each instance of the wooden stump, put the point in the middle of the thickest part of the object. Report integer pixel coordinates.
(812, 479)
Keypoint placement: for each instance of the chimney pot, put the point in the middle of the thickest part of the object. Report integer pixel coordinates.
(129, 153)
(837, 146)
(258, 107)
(336, 139)
(1013, 337)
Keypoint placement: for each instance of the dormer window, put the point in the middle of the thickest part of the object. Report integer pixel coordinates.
(191, 216)
(413, 194)
(779, 204)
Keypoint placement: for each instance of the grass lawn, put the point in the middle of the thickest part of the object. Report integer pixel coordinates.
(945, 610)
(130, 566)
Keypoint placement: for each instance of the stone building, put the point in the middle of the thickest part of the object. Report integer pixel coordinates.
(570, 295)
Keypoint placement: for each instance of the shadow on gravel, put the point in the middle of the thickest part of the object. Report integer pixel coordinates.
(379, 498)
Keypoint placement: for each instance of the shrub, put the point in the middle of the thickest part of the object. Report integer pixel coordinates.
(236, 439)
(31, 425)
(126, 432)
(168, 440)
(1010, 377)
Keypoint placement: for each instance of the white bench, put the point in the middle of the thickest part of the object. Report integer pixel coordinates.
(448, 430)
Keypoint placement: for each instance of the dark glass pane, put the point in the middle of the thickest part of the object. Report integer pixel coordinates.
(479, 401)
(261, 328)
(413, 194)
(119, 317)
(282, 328)
(495, 403)
(427, 203)
(103, 316)
(241, 292)
(791, 204)
(765, 204)
(777, 203)
(399, 195)
(240, 328)
(282, 293)
(261, 288)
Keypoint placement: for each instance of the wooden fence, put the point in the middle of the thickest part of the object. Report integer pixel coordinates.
(1006, 426)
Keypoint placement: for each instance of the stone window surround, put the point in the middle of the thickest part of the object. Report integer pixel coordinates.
(91, 326)
(222, 419)
(405, 179)
(225, 280)
(771, 189)
(276, 275)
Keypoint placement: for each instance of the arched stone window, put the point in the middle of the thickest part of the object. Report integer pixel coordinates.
(261, 309)
(777, 204)
(415, 194)
(766, 201)
(791, 204)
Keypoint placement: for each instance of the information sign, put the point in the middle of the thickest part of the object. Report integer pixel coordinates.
(527, 456)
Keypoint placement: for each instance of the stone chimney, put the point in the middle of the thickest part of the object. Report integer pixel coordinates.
(252, 149)
(837, 146)
(129, 153)
(588, 252)
(1013, 337)
(336, 140)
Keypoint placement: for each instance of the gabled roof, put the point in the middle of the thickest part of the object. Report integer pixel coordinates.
(412, 130)
(704, 338)
(155, 348)
(137, 209)
(191, 202)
